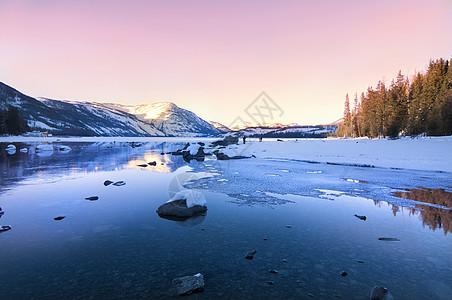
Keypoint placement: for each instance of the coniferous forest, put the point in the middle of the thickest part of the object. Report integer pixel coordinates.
(11, 121)
(422, 105)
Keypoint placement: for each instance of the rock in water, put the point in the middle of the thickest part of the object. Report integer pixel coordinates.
(5, 228)
(92, 198)
(250, 255)
(187, 285)
(388, 239)
(343, 274)
(273, 271)
(119, 183)
(380, 293)
(142, 165)
(178, 211)
(59, 218)
(361, 217)
(107, 182)
(10, 147)
(152, 163)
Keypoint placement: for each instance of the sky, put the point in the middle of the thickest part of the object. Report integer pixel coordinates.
(216, 57)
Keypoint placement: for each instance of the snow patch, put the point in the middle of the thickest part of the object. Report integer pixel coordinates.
(192, 197)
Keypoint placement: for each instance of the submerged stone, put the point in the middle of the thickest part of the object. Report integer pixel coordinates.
(187, 285)
(250, 255)
(389, 239)
(380, 293)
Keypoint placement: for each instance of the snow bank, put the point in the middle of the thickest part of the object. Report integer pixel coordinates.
(192, 198)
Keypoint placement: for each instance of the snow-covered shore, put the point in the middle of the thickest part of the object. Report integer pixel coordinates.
(426, 153)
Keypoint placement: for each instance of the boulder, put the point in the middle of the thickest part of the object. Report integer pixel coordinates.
(178, 211)
(187, 285)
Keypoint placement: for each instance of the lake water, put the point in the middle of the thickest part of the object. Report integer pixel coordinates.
(298, 216)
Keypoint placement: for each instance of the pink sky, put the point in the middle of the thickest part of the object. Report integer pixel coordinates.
(215, 57)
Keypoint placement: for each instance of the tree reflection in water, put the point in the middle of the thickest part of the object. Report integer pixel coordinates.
(433, 217)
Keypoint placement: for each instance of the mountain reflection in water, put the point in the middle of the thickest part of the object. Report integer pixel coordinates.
(84, 157)
(433, 217)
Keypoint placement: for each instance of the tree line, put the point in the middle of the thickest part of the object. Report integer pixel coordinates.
(420, 106)
(12, 122)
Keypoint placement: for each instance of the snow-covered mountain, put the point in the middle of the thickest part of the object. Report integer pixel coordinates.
(170, 119)
(63, 117)
(98, 119)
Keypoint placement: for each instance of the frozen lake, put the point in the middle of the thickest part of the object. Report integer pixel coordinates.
(294, 203)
